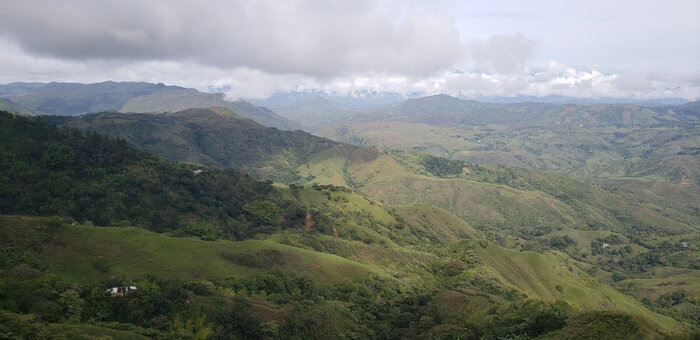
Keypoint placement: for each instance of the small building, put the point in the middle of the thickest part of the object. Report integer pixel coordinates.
(120, 291)
(197, 172)
(684, 244)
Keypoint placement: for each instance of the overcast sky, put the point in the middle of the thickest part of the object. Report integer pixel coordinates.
(632, 49)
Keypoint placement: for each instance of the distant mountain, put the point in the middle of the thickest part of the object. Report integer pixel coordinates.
(556, 99)
(688, 111)
(19, 89)
(213, 137)
(72, 99)
(373, 100)
(172, 101)
(177, 100)
(436, 104)
(261, 115)
(358, 100)
(598, 141)
(10, 106)
(315, 113)
(443, 110)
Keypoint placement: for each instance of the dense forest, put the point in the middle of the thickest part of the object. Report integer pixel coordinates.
(102, 181)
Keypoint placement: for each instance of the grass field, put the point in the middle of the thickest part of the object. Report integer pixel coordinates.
(133, 253)
(556, 276)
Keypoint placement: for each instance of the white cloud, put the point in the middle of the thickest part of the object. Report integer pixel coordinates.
(254, 48)
(320, 38)
(503, 53)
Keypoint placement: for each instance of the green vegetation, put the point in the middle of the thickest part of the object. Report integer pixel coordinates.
(51, 171)
(664, 152)
(267, 289)
(233, 257)
(212, 137)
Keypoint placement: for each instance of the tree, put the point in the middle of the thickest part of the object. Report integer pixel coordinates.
(262, 212)
(72, 305)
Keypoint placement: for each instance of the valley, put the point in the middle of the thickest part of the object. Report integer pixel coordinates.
(283, 225)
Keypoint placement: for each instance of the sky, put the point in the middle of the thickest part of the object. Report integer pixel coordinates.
(640, 49)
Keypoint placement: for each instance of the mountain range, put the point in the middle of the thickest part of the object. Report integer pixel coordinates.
(230, 228)
(600, 141)
(71, 99)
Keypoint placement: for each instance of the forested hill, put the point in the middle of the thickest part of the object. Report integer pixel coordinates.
(213, 137)
(45, 170)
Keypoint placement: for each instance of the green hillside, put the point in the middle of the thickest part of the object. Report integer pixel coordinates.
(132, 253)
(665, 153)
(212, 137)
(246, 259)
(10, 106)
(590, 142)
(89, 177)
(88, 255)
(534, 209)
(517, 208)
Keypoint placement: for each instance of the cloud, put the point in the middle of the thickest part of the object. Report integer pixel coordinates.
(551, 78)
(503, 53)
(252, 48)
(319, 38)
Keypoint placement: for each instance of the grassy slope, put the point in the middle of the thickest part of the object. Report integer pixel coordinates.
(513, 209)
(539, 275)
(381, 177)
(422, 219)
(392, 226)
(659, 153)
(133, 252)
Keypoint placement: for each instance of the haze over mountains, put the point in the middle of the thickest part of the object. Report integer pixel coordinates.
(70, 99)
